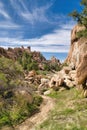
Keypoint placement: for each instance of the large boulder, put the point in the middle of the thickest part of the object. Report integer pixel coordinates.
(77, 59)
(77, 49)
(81, 76)
(56, 82)
(43, 86)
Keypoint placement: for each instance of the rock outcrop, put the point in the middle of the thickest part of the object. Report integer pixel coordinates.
(77, 49)
(82, 71)
(77, 57)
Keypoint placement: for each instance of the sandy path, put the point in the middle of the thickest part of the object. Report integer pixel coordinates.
(38, 118)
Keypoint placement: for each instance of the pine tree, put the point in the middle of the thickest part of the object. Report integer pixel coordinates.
(81, 17)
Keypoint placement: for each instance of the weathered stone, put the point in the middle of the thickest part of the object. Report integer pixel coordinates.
(72, 74)
(81, 75)
(85, 93)
(62, 89)
(66, 70)
(77, 49)
(69, 83)
(48, 92)
(32, 73)
(43, 80)
(77, 59)
(43, 87)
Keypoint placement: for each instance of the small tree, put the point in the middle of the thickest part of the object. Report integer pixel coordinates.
(81, 17)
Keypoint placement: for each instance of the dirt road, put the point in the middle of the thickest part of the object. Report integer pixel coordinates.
(38, 118)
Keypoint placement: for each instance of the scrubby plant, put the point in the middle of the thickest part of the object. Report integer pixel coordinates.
(81, 18)
(52, 66)
(17, 108)
(27, 62)
(10, 72)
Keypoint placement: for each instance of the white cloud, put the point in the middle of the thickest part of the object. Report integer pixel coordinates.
(36, 13)
(8, 25)
(3, 12)
(7, 22)
(58, 41)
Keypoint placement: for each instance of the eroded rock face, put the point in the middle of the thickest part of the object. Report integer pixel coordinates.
(77, 58)
(82, 71)
(77, 49)
(76, 29)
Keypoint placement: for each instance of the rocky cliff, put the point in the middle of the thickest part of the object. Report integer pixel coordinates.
(77, 49)
(77, 57)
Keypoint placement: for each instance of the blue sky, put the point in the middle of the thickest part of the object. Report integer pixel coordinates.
(42, 24)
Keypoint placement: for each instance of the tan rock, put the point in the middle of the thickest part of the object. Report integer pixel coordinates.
(72, 74)
(43, 80)
(81, 75)
(85, 93)
(77, 49)
(69, 83)
(32, 73)
(56, 82)
(76, 29)
(66, 70)
(43, 87)
(48, 92)
(62, 89)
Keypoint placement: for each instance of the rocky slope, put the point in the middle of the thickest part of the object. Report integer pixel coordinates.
(15, 53)
(76, 72)
(37, 60)
(19, 80)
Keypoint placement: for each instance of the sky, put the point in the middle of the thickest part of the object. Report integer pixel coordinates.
(42, 24)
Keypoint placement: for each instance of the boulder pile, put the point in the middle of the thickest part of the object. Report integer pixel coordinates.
(64, 79)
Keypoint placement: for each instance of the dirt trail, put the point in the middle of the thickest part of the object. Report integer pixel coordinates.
(38, 118)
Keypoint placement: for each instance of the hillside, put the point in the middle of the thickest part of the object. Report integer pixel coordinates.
(20, 75)
(69, 113)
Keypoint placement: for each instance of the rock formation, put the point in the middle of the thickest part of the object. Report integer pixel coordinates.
(77, 49)
(77, 57)
(82, 71)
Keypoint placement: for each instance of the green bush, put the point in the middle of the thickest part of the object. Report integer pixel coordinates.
(3, 79)
(52, 66)
(37, 100)
(10, 71)
(81, 18)
(18, 109)
(27, 62)
(82, 33)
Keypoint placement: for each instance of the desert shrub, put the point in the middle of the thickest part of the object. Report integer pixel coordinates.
(37, 100)
(10, 67)
(52, 66)
(32, 66)
(27, 62)
(10, 71)
(82, 33)
(3, 79)
(18, 109)
(63, 65)
(55, 67)
(46, 67)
